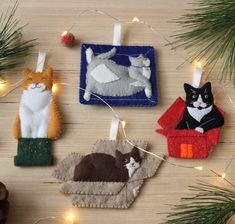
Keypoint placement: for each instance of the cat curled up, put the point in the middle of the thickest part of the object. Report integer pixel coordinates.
(38, 114)
(200, 113)
(104, 167)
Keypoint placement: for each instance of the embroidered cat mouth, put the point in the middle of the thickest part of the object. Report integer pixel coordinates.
(36, 87)
(200, 108)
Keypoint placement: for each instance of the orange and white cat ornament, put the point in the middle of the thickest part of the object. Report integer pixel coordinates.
(39, 120)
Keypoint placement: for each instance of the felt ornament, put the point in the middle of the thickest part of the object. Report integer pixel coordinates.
(110, 177)
(121, 75)
(4, 204)
(192, 127)
(38, 121)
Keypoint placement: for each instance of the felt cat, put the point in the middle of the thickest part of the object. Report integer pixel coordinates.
(200, 113)
(107, 78)
(104, 167)
(38, 114)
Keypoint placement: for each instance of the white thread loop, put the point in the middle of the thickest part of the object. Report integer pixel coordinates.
(114, 128)
(197, 75)
(41, 61)
(117, 33)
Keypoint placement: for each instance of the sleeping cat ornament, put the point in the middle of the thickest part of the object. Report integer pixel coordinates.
(121, 75)
(193, 126)
(38, 121)
(104, 167)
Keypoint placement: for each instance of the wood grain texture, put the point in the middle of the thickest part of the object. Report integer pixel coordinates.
(34, 193)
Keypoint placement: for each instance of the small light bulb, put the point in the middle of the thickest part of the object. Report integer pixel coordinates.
(198, 168)
(223, 176)
(123, 123)
(135, 19)
(2, 84)
(64, 33)
(70, 218)
(199, 64)
(54, 88)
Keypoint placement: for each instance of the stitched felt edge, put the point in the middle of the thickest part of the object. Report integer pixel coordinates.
(121, 205)
(72, 156)
(72, 187)
(140, 143)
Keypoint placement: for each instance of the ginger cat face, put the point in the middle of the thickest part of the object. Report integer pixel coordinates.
(37, 81)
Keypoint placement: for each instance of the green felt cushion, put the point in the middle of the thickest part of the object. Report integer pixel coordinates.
(34, 152)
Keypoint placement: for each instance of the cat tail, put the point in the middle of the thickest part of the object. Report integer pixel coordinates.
(16, 128)
(108, 54)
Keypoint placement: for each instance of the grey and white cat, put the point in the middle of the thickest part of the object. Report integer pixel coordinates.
(107, 78)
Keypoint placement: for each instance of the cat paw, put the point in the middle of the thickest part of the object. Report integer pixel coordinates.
(201, 130)
(147, 72)
(89, 54)
(148, 92)
(136, 191)
(87, 96)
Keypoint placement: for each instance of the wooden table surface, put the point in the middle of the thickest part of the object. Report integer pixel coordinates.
(34, 193)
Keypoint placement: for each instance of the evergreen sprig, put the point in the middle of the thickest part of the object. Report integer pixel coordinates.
(209, 205)
(209, 35)
(12, 46)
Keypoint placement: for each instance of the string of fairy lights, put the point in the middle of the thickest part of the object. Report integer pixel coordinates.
(6, 89)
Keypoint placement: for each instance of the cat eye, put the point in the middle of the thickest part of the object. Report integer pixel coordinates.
(206, 96)
(126, 160)
(194, 96)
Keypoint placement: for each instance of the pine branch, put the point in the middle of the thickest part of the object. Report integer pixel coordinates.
(12, 46)
(208, 34)
(209, 205)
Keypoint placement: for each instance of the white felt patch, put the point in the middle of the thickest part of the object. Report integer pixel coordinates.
(89, 54)
(199, 114)
(132, 166)
(147, 72)
(137, 84)
(35, 113)
(199, 129)
(199, 102)
(102, 74)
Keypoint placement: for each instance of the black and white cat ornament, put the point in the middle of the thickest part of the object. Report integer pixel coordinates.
(192, 126)
(111, 176)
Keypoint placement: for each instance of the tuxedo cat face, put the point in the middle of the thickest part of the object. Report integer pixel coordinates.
(200, 98)
(131, 161)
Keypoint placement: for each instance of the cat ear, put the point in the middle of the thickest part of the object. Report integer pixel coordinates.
(131, 59)
(187, 88)
(118, 154)
(49, 72)
(207, 87)
(26, 71)
(135, 151)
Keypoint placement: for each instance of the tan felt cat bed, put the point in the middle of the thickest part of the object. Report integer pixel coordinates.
(105, 194)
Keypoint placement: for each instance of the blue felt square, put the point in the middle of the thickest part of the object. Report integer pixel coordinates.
(121, 58)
